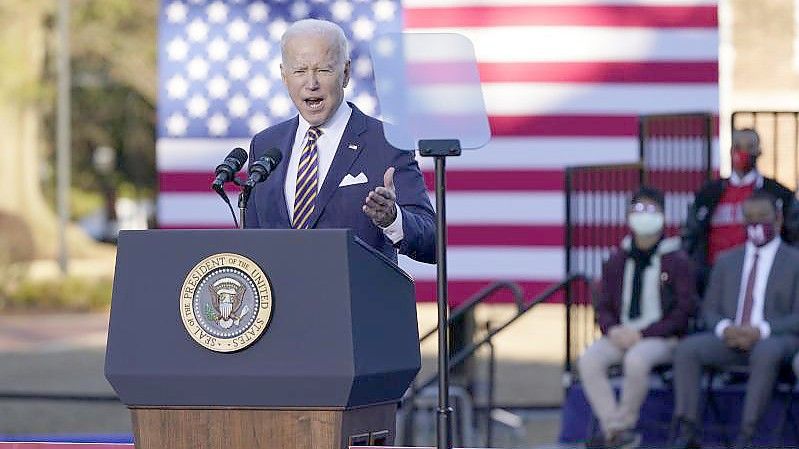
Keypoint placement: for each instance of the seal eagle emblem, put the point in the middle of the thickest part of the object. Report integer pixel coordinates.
(226, 302)
(226, 298)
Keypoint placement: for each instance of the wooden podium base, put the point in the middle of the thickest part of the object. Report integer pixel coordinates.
(223, 428)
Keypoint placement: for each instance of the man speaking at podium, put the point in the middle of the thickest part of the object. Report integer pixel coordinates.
(338, 171)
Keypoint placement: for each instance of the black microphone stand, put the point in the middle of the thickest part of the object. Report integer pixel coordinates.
(244, 196)
(439, 149)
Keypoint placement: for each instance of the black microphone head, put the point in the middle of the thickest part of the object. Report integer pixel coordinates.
(238, 157)
(226, 171)
(260, 169)
(274, 154)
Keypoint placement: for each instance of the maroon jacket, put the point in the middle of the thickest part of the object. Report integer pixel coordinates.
(678, 297)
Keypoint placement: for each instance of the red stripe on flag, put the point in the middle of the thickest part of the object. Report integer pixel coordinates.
(570, 15)
(676, 180)
(504, 235)
(188, 182)
(464, 235)
(565, 125)
(172, 181)
(460, 291)
(602, 235)
(498, 180)
(600, 72)
(455, 72)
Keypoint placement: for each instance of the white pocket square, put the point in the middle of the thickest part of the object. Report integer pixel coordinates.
(352, 180)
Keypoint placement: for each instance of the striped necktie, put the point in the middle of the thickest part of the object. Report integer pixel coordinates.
(307, 181)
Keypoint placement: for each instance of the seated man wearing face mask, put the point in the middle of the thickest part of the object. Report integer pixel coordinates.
(647, 295)
(715, 220)
(751, 311)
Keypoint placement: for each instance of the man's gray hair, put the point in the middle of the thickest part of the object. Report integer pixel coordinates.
(320, 28)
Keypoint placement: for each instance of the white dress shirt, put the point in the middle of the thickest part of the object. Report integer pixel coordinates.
(766, 254)
(753, 177)
(326, 147)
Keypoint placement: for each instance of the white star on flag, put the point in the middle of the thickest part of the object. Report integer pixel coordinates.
(238, 68)
(198, 68)
(259, 86)
(197, 106)
(218, 49)
(218, 87)
(217, 12)
(276, 29)
(177, 125)
(238, 106)
(300, 10)
(176, 12)
(238, 30)
(197, 30)
(280, 105)
(257, 12)
(363, 29)
(217, 125)
(177, 86)
(258, 122)
(258, 49)
(385, 10)
(177, 49)
(342, 10)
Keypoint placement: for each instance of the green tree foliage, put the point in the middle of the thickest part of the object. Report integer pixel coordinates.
(114, 90)
(113, 103)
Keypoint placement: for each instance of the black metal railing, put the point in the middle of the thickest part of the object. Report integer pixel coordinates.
(515, 289)
(470, 350)
(676, 153)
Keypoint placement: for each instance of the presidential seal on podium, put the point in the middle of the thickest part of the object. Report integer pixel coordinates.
(226, 302)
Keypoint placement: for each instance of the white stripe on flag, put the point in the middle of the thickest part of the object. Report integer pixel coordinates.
(578, 44)
(194, 154)
(202, 155)
(599, 99)
(519, 263)
(516, 208)
(563, 98)
(515, 153)
(511, 208)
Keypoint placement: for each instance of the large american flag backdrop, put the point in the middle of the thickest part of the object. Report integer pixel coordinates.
(563, 83)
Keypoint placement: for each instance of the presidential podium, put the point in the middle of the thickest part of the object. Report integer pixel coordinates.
(279, 339)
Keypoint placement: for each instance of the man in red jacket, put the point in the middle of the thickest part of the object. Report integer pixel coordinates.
(648, 293)
(715, 221)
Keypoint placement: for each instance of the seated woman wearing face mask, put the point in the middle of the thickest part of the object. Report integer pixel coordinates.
(647, 295)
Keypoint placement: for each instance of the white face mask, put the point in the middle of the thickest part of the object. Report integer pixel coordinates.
(646, 223)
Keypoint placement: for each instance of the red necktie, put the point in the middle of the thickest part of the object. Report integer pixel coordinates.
(746, 313)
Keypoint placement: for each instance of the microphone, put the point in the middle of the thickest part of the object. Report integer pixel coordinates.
(262, 168)
(226, 171)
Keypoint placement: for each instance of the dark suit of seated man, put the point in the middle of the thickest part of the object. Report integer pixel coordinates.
(751, 309)
(338, 171)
